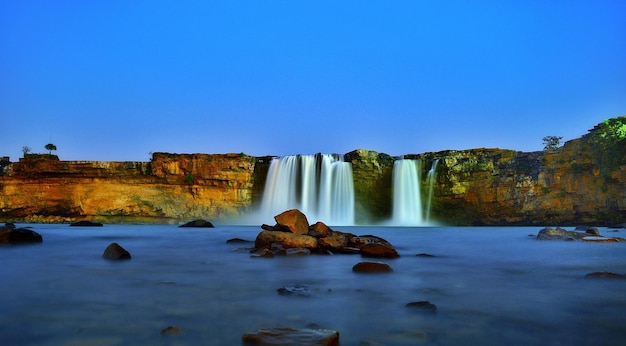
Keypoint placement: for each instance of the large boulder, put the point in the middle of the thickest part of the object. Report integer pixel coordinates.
(320, 229)
(292, 336)
(292, 220)
(12, 235)
(287, 240)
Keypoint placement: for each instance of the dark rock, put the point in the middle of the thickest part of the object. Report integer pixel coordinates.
(618, 225)
(170, 330)
(605, 275)
(371, 267)
(19, 236)
(378, 250)
(86, 224)
(238, 241)
(428, 255)
(115, 252)
(268, 227)
(423, 306)
(295, 290)
(588, 230)
(292, 336)
(292, 220)
(198, 223)
(263, 253)
(10, 225)
(297, 252)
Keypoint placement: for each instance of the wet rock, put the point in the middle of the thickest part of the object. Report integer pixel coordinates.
(335, 242)
(423, 306)
(115, 252)
(319, 229)
(238, 241)
(605, 275)
(297, 252)
(170, 330)
(287, 240)
(86, 224)
(9, 225)
(379, 251)
(295, 290)
(428, 255)
(292, 336)
(371, 267)
(19, 236)
(263, 253)
(588, 230)
(597, 239)
(559, 233)
(293, 221)
(359, 241)
(198, 223)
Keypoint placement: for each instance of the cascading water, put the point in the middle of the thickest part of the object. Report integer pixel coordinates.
(318, 185)
(407, 201)
(430, 179)
(408, 209)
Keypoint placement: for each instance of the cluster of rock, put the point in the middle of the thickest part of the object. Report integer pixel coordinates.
(292, 234)
(584, 233)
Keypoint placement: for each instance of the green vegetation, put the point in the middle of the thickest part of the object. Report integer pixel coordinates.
(609, 143)
(25, 150)
(189, 179)
(551, 142)
(50, 147)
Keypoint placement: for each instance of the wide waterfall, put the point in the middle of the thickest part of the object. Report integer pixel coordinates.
(408, 208)
(318, 185)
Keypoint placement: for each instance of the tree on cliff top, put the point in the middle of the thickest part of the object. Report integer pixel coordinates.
(50, 147)
(551, 142)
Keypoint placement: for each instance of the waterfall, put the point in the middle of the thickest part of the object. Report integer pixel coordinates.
(318, 185)
(408, 209)
(430, 179)
(407, 200)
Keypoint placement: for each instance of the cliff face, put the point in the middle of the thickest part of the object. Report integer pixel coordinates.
(169, 188)
(583, 182)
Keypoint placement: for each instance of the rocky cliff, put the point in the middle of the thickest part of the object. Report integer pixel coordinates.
(583, 182)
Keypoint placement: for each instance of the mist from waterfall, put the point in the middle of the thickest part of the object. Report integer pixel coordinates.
(318, 185)
(408, 209)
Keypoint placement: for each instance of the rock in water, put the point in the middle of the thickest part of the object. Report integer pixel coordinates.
(10, 235)
(371, 267)
(286, 239)
(423, 306)
(86, 224)
(292, 336)
(115, 252)
(378, 250)
(292, 220)
(198, 223)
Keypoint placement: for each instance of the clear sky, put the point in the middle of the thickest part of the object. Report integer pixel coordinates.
(116, 80)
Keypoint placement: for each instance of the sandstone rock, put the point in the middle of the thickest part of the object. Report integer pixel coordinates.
(287, 240)
(319, 229)
(86, 224)
(423, 306)
(336, 242)
(292, 336)
(605, 275)
(263, 253)
(371, 267)
(297, 251)
(292, 220)
(378, 250)
(559, 233)
(198, 223)
(19, 236)
(588, 230)
(115, 252)
(359, 241)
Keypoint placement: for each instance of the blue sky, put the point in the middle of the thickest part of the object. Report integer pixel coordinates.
(115, 80)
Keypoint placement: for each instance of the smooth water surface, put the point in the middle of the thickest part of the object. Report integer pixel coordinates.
(490, 285)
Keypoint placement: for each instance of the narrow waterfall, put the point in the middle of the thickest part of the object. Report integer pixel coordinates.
(408, 207)
(407, 200)
(430, 179)
(318, 185)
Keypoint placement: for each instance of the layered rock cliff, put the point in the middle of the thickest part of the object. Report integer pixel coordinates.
(583, 182)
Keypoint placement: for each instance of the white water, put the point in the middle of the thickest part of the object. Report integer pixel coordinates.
(407, 200)
(322, 190)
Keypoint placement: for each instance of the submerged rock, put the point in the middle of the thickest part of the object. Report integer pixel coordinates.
(12, 235)
(295, 290)
(292, 336)
(371, 267)
(85, 223)
(115, 252)
(423, 306)
(605, 275)
(198, 223)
